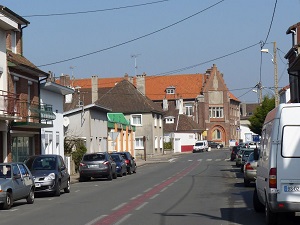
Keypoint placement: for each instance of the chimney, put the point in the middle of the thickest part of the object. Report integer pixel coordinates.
(64, 80)
(140, 83)
(94, 81)
(165, 104)
(179, 106)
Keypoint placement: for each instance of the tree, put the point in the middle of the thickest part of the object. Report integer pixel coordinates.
(258, 118)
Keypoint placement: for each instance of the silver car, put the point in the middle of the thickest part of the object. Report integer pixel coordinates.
(250, 169)
(16, 182)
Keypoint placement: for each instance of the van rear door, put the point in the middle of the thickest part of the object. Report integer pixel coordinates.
(288, 157)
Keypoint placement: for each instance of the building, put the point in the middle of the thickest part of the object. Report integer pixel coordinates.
(22, 114)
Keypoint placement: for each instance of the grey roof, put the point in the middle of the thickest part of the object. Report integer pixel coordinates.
(125, 98)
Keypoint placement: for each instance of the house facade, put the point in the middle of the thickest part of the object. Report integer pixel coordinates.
(89, 124)
(52, 138)
(22, 114)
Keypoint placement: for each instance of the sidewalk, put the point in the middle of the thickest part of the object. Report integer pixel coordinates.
(140, 162)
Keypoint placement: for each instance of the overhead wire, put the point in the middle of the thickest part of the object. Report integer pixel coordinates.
(94, 11)
(135, 39)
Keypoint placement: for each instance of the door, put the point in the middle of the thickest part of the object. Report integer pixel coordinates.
(18, 183)
(177, 145)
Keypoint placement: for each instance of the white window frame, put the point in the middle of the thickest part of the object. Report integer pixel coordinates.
(188, 109)
(133, 122)
(155, 120)
(160, 121)
(169, 120)
(139, 142)
(216, 112)
(13, 42)
(170, 91)
(155, 142)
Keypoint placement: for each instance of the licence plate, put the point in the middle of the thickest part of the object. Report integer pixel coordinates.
(93, 166)
(291, 188)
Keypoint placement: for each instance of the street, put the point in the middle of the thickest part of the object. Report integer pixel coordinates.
(200, 188)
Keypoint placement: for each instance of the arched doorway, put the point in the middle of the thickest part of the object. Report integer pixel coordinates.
(218, 134)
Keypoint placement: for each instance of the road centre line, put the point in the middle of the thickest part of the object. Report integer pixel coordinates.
(147, 190)
(123, 219)
(141, 201)
(162, 190)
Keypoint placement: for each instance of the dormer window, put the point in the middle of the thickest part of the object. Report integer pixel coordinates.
(170, 119)
(170, 90)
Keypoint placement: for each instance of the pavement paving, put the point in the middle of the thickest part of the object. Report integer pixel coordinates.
(141, 162)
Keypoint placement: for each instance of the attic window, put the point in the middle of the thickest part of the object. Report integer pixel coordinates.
(170, 90)
(169, 120)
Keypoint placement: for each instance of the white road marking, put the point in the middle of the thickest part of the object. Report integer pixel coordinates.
(162, 190)
(217, 160)
(95, 220)
(199, 160)
(123, 219)
(119, 206)
(148, 189)
(209, 160)
(77, 191)
(190, 160)
(154, 196)
(171, 160)
(135, 197)
(142, 205)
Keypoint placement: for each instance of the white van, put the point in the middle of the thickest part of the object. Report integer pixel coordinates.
(278, 169)
(200, 146)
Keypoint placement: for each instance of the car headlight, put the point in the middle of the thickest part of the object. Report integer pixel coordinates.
(51, 176)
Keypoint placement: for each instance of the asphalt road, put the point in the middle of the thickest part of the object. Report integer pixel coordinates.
(201, 188)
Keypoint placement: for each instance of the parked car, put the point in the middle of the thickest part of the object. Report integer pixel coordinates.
(245, 157)
(250, 168)
(97, 165)
(129, 160)
(200, 146)
(120, 164)
(50, 174)
(213, 144)
(234, 150)
(16, 182)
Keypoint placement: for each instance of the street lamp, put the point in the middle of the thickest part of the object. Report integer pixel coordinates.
(274, 60)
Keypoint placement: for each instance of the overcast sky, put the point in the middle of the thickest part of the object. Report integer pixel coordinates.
(107, 37)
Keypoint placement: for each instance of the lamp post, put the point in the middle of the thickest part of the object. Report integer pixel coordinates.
(274, 60)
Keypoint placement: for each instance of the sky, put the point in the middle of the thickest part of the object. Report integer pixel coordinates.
(109, 38)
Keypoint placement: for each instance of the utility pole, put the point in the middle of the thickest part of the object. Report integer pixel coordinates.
(275, 74)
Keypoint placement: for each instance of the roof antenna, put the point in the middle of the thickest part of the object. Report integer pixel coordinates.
(135, 66)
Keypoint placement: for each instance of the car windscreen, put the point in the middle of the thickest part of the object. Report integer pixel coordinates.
(247, 153)
(43, 163)
(199, 144)
(94, 157)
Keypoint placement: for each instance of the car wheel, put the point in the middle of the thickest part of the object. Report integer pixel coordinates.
(8, 201)
(246, 183)
(68, 188)
(30, 197)
(57, 190)
(109, 177)
(129, 170)
(271, 217)
(125, 172)
(115, 175)
(258, 206)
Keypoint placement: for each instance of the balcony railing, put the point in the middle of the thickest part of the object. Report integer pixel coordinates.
(11, 106)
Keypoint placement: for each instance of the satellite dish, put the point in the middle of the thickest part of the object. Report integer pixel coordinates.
(66, 121)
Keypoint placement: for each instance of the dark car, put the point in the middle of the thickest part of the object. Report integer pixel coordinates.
(213, 144)
(50, 174)
(16, 182)
(97, 165)
(120, 163)
(129, 160)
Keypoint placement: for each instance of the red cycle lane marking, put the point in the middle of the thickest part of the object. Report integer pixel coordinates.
(120, 213)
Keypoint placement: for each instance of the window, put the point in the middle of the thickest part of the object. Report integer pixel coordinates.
(155, 120)
(136, 120)
(170, 90)
(189, 109)
(139, 144)
(216, 112)
(217, 135)
(160, 121)
(290, 141)
(13, 42)
(169, 120)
